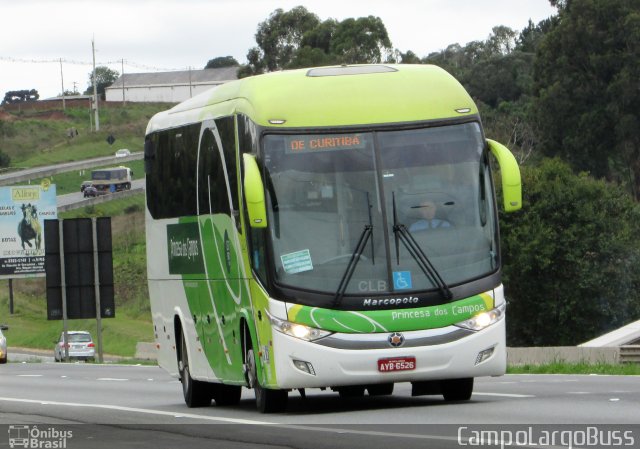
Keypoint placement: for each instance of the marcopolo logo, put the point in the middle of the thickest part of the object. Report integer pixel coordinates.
(371, 302)
(35, 437)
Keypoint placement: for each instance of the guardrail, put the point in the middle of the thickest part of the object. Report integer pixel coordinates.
(630, 354)
(563, 354)
(33, 173)
(101, 199)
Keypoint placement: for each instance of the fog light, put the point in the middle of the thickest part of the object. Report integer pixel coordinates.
(305, 367)
(484, 355)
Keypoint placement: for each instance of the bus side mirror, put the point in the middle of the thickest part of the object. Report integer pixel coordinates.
(254, 193)
(511, 183)
(149, 155)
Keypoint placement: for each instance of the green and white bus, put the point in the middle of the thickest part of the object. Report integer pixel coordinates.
(332, 228)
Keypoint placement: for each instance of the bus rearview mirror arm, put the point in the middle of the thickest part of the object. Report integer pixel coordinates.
(254, 192)
(510, 172)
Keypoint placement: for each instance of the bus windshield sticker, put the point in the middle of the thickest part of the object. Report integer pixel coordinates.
(297, 262)
(402, 280)
(314, 143)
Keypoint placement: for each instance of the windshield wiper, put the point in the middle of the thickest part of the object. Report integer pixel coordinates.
(402, 234)
(369, 207)
(351, 266)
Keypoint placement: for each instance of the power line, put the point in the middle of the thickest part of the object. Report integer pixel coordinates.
(89, 63)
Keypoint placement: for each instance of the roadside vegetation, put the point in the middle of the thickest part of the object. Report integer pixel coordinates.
(628, 369)
(561, 94)
(33, 138)
(29, 327)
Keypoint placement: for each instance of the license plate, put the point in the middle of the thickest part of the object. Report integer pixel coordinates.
(396, 364)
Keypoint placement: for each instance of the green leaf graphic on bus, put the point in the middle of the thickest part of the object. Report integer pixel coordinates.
(393, 319)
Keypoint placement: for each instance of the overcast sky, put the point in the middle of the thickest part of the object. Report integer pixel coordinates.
(152, 35)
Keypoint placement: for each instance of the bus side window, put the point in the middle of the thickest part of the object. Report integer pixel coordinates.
(212, 187)
(226, 128)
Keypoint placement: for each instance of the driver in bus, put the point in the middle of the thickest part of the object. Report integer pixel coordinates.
(428, 211)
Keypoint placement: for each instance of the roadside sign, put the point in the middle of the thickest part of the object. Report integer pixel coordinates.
(23, 210)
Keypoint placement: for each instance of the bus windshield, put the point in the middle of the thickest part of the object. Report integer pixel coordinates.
(328, 192)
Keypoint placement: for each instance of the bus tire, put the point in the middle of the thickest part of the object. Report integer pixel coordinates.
(351, 391)
(457, 389)
(226, 394)
(196, 393)
(267, 400)
(380, 389)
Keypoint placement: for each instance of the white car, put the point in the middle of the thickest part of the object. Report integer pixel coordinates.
(3, 344)
(123, 153)
(80, 344)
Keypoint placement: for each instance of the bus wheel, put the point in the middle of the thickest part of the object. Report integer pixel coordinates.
(457, 389)
(380, 389)
(226, 394)
(351, 391)
(267, 400)
(196, 393)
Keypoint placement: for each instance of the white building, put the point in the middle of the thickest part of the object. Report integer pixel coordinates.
(169, 87)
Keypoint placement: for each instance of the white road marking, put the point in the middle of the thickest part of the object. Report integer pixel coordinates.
(112, 379)
(238, 421)
(506, 395)
(138, 410)
(30, 375)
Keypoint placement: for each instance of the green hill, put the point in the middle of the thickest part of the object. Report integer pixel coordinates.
(39, 138)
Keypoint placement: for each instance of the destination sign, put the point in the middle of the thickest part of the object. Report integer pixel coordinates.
(313, 143)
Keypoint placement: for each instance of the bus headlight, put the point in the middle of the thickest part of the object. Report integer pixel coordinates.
(484, 319)
(297, 330)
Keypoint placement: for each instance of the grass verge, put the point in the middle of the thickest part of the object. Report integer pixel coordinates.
(626, 369)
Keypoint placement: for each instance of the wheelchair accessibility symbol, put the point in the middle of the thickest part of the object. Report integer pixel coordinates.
(401, 280)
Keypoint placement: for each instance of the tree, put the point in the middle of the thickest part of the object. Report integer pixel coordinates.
(587, 97)
(570, 258)
(5, 160)
(278, 38)
(222, 61)
(408, 58)
(20, 96)
(297, 38)
(531, 36)
(105, 77)
(360, 41)
(501, 41)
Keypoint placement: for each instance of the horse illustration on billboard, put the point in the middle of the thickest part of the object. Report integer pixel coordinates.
(29, 227)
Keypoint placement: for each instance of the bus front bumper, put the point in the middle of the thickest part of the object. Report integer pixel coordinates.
(364, 359)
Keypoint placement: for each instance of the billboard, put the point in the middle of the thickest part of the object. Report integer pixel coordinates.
(23, 210)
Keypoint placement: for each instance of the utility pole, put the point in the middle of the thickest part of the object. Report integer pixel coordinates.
(122, 81)
(95, 87)
(10, 296)
(62, 82)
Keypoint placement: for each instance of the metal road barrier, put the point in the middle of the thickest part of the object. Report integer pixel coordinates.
(16, 177)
